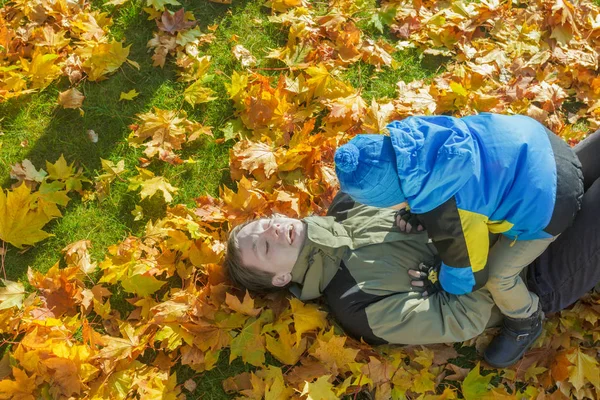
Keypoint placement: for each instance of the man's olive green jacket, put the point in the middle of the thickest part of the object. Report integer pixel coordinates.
(360, 265)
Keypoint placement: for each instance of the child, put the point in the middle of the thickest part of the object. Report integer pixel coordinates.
(466, 178)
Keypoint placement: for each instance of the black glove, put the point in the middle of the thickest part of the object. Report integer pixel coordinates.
(406, 221)
(425, 279)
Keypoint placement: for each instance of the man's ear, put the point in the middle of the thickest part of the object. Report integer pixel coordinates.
(280, 280)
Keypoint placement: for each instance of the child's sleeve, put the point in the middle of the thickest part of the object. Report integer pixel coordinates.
(462, 240)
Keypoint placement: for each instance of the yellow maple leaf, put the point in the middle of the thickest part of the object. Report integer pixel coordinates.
(102, 59)
(198, 94)
(60, 170)
(21, 219)
(255, 156)
(151, 184)
(319, 80)
(320, 389)
(11, 294)
(249, 343)
(585, 368)
(160, 4)
(246, 307)
(22, 388)
(129, 95)
(333, 352)
(275, 387)
(285, 348)
(64, 173)
(239, 81)
(111, 169)
(42, 69)
(307, 317)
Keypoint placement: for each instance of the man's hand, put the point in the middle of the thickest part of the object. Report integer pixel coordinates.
(425, 279)
(406, 221)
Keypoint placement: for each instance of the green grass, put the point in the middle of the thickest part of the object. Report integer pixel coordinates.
(49, 131)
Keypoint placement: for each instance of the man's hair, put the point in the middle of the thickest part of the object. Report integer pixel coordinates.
(240, 274)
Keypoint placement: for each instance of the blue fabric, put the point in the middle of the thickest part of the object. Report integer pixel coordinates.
(499, 166)
(366, 169)
(456, 280)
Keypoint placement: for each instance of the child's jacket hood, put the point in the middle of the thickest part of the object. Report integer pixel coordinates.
(435, 156)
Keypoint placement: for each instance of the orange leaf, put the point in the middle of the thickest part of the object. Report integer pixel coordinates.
(246, 307)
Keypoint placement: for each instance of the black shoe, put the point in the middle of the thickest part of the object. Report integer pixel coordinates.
(516, 336)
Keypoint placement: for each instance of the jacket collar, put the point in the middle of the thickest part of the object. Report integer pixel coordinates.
(320, 257)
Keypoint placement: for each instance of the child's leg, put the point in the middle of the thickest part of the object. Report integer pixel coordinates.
(506, 260)
(522, 312)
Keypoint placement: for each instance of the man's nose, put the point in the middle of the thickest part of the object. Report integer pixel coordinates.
(275, 230)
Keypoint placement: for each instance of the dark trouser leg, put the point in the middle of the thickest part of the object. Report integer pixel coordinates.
(565, 271)
(570, 266)
(588, 152)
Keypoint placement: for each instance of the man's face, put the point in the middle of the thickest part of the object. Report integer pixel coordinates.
(272, 245)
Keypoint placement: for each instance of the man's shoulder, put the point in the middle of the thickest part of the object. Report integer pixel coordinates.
(340, 206)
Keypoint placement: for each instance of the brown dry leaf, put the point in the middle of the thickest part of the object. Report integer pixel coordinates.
(173, 22)
(26, 172)
(71, 98)
(244, 56)
(77, 254)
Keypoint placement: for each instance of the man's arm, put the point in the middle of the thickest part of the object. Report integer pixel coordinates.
(405, 317)
(462, 240)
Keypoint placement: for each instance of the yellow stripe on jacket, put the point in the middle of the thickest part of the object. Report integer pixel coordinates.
(476, 233)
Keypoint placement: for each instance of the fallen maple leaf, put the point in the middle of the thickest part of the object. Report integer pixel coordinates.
(26, 172)
(306, 317)
(129, 95)
(11, 294)
(71, 98)
(321, 389)
(249, 343)
(77, 254)
(151, 184)
(584, 368)
(244, 56)
(22, 218)
(475, 386)
(285, 348)
(160, 4)
(173, 22)
(246, 307)
(22, 388)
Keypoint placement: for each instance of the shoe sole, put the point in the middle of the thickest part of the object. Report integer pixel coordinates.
(514, 360)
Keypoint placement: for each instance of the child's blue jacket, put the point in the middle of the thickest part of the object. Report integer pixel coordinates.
(472, 176)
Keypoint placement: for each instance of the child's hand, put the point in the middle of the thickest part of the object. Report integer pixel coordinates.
(425, 280)
(406, 221)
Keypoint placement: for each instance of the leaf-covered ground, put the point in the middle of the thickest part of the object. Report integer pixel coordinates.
(134, 134)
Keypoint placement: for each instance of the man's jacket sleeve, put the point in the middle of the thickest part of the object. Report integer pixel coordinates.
(462, 240)
(379, 315)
